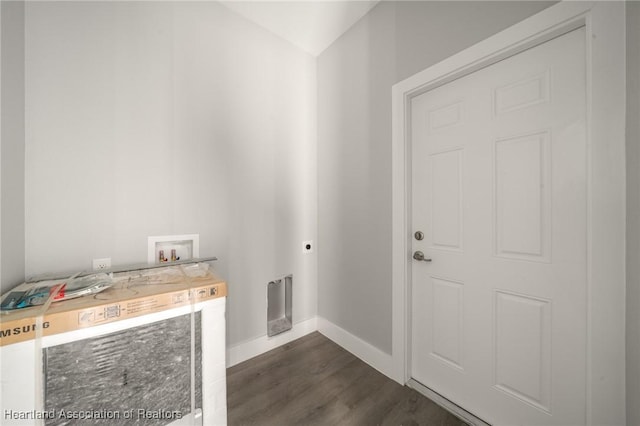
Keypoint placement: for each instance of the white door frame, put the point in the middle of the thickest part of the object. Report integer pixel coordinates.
(605, 40)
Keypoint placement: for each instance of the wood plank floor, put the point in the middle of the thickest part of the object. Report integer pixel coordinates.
(313, 381)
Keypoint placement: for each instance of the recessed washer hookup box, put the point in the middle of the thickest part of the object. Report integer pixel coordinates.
(132, 294)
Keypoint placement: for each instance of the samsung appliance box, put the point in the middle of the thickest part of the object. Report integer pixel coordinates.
(144, 347)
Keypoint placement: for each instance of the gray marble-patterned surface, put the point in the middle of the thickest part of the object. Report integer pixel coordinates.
(139, 376)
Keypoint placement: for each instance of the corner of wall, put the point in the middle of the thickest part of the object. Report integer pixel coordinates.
(633, 214)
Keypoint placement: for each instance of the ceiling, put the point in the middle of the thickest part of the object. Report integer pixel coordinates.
(308, 24)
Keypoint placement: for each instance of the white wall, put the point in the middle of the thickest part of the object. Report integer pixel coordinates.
(633, 213)
(355, 75)
(169, 118)
(1, 287)
(12, 146)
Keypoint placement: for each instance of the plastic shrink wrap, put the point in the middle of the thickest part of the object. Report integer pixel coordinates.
(143, 347)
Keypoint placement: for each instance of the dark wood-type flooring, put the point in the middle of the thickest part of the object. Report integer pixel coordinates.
(313, 381)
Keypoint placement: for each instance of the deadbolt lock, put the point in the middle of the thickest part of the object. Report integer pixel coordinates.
(419, 235)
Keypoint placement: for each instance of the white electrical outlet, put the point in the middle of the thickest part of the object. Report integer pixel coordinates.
(99, 264)
(307, 246)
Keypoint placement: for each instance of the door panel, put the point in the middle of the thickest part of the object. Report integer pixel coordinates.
(522, 207)
(446, 199)
(523, 348)
(499, 189)
(447, 308)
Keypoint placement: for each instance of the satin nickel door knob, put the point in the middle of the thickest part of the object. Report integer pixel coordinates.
(418, 255)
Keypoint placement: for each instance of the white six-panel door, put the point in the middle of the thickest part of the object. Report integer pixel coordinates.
(499, 190)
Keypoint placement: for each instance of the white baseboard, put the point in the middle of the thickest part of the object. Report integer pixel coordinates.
(381, 361)
(368, 353)
(246, 350)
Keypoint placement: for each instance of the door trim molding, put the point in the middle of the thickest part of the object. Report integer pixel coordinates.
(605, 42)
